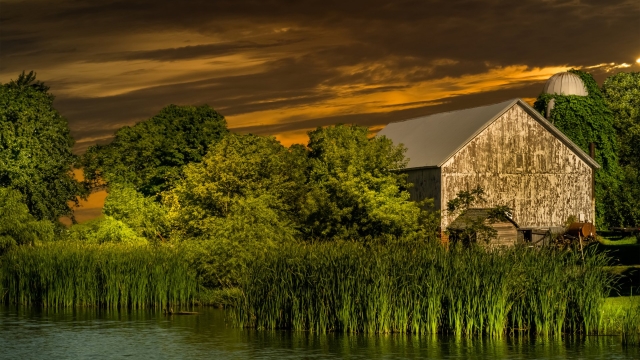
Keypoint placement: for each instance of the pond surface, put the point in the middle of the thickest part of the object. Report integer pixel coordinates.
(28, 333)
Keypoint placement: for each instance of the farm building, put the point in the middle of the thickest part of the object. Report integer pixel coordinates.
(518, 157)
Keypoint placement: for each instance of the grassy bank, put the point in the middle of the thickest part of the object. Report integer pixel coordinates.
(422, 288)
(621, 316)
(111, 275)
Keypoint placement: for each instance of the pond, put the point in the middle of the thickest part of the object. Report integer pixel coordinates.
(81, 333)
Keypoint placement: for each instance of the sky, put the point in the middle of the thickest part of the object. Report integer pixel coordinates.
(282, 68)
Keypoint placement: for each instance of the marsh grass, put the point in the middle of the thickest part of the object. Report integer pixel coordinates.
(621, 316)
(111, 275)
(423, 288)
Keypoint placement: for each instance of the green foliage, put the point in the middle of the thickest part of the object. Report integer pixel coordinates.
(17, 226)
(240, 200)
(150, 155)
(146, 217)
(622, 95)
(420, 287)
(247, 183)
(465, 199)
(35, 149)
(355, 187)
(586, 119)
(104, 230)
(110, 275)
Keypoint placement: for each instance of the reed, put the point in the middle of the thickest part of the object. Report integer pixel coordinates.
(419, 287)
(110, 275)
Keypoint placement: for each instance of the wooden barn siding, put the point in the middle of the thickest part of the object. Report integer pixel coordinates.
(522, 165)
(507, 234)
(426, 185)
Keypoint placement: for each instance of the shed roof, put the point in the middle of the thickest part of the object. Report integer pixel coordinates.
(469, 216)
(431, 140)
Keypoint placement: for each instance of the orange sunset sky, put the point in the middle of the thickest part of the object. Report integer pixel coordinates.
(282, 68)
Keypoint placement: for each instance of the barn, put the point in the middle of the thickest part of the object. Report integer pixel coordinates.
(518, 157)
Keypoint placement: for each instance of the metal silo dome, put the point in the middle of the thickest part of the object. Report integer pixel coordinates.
(565, 83)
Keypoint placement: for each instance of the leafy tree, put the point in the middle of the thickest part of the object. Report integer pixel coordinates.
(17, 225)
(35, 149)
(238, 202)
(238, 174)
(356, 189)
(586, 119)
(150, 155)
(622, 95)
(146, 217)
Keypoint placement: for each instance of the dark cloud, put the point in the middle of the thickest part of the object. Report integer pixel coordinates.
(190, 52)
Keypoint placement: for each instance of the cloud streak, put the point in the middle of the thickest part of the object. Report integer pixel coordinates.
(280, 68)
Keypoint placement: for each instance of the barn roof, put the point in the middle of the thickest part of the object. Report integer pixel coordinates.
(431, 140)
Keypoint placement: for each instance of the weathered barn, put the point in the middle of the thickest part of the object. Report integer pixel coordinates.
(518, 157)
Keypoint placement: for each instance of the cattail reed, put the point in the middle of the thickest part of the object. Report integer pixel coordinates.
(423, 288)
(111, 275)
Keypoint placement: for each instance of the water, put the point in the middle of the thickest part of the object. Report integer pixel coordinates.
(28, 333)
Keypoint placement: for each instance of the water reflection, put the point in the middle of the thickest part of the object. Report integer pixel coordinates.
(98, 333)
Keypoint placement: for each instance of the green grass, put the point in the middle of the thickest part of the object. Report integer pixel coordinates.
(110, 275)
(621, 316)
(617, 241)
(424, 288)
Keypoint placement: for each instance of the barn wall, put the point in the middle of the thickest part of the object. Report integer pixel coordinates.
(426, 184)
(520, 164)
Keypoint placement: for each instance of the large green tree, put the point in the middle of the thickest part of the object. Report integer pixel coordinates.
(35, 149)
(587, 119)
(150, 155)
(246, 183)
(356, 189)
(622, 95)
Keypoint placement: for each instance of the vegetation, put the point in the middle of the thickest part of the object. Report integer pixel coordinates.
(110, 275)
(149, 155)
(587, 119)
(17, 225)
(355, 190)
(420, 287)
(35, 149)
(621, 315)
(622, 95)
(320, 237)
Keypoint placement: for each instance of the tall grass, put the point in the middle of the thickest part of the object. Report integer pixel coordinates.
(423, 288)
(111, 275)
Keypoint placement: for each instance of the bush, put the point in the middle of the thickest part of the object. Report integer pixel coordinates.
(17, 225)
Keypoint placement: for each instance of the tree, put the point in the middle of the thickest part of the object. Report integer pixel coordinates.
(587, 119)
(240, 173)
(17, 225)
(356, 187)
(35, 149)
(150, 155)
(622, 95)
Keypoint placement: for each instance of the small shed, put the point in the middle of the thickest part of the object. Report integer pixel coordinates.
(506, 229)
(508, 149)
